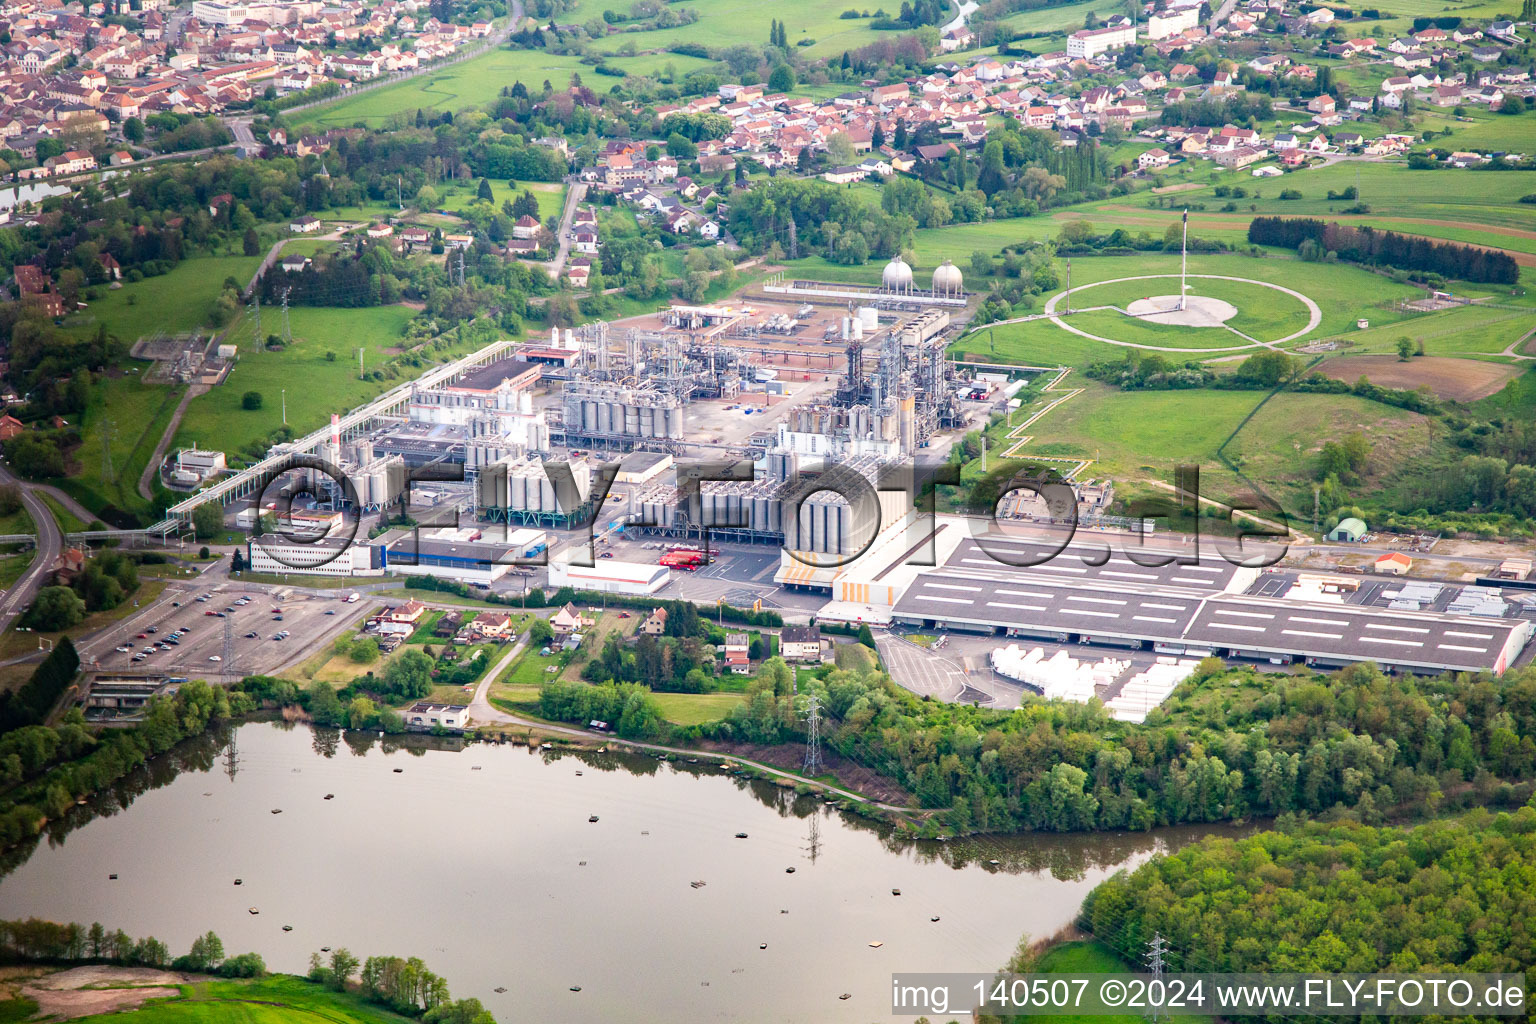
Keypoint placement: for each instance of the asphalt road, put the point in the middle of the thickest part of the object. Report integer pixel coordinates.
(49, 543)
(578, 190)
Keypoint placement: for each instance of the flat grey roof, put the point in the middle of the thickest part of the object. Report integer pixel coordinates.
(1198, 606)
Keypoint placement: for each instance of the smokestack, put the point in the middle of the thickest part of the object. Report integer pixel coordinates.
(336, 430)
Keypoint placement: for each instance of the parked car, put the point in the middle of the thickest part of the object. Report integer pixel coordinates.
(214, 657)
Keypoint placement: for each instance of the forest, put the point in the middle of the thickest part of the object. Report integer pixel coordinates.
(1456, 894)
(1316, 239)
(1229, 745)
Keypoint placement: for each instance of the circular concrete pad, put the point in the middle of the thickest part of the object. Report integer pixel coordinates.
(1198, 311)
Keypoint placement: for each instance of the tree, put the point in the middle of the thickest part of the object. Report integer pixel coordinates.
(35, 457)
(207, 519)
(364, 651)
(206, 954)
(484, 191)
(237, 561)
(1404, 348)
(250, 401)
(540, 633)
(680, 147)
(54, 609)
(133, 130)
(409, 675)
(781, 79)
(323, 705)
(343, 966)
(840, 148)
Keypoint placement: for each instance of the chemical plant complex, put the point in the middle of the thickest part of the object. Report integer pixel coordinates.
(789, 391)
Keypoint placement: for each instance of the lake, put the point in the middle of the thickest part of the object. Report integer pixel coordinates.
(481, 860)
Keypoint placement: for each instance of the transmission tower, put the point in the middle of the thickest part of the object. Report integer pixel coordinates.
(231, 758)
(1155, 950)
(813, 763)
(229, 647)
(107, 429)
(256, 311)
(287, 334)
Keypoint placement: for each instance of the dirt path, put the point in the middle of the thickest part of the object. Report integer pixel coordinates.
(87, 991)
(482, 711)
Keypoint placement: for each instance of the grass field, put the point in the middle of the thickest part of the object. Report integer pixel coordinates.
(1343, 294)
(67, 520)
(279, 999)
(696, 708)
(174, 302)
(1144, 435)
(317, 386)
(134, 415)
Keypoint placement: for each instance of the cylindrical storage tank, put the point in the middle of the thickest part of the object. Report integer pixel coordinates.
(870, 316)
(847, 328)
(554, 337)
(858, 330)
(632, 419)
(570, 338)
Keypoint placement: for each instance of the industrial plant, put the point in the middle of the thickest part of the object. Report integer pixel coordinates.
(791, 377)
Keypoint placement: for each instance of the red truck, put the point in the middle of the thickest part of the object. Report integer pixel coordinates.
(686, 559)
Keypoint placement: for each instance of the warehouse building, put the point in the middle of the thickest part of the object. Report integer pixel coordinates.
(1206, 606)
(609, 576)
(462, 554)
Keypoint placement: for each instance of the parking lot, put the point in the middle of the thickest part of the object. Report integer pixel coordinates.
(183, 633)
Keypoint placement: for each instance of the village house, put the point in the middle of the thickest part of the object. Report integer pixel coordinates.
(655, 624)
(802, 643)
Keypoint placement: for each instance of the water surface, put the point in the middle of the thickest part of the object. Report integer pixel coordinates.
(482, 861)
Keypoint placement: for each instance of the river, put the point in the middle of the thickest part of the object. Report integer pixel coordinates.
(481, 860)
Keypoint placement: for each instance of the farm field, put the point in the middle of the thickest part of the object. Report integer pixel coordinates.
(1461, 380)
(729, 22)
(1481, 199)
(476, 81)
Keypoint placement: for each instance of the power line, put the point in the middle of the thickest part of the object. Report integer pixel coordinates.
(108, 427)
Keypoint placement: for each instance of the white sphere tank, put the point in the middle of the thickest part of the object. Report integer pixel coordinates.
(947, 279)
(897, 275)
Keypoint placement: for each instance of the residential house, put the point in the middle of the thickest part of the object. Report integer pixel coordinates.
(801, 643)
(655, 624)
